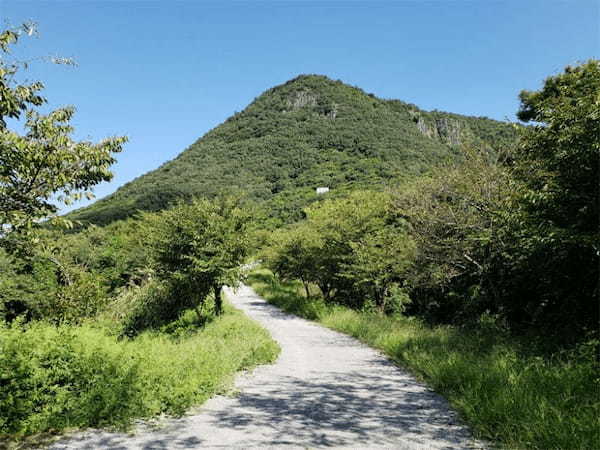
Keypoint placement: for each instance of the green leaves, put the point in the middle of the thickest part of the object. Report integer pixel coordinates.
(15, 98)
(203, 239)
(196, 248)
(559, 156)
(45, 163)
(381, 262)
(353, 248)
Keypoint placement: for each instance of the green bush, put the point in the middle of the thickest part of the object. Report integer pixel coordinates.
(45, 286)
(58, 377)
(353, 248)
(61, 377)
(151, 306)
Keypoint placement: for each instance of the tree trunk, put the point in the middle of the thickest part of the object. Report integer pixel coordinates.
(198, 313)
(305, 283)
(62, 275)
(218, 300)
(325, 291)
(380, 299)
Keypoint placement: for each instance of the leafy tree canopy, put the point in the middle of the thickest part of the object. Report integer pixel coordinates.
(200, 247)
(45, 163)
(560, 154)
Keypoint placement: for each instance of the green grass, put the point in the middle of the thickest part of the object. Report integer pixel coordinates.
(507, 395)
(56, 378)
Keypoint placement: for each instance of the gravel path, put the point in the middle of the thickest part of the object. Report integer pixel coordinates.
(325, 390)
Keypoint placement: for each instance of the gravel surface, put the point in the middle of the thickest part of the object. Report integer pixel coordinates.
(325, 390)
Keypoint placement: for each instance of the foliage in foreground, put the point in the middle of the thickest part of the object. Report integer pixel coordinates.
(505, 393)
(55, 378)
(44, 162)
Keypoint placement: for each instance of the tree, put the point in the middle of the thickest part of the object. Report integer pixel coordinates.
(354, 248)
(518, 238)
(554, 223)
(455, 213)
(559, 156)
(44, 163)
(200, 247)
(294, 254)
(380, 263)
(344, 226)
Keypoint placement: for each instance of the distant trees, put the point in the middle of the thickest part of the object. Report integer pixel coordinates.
(352, 248)
(278, 153)
(45, 164)
(293, 254)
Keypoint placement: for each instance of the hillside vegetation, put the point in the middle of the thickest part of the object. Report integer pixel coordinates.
(465, 253)
(308, 132)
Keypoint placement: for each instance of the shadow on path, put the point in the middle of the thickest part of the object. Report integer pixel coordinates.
(326, 390)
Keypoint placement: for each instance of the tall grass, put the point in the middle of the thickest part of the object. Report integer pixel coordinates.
(505, 393)
(55, 378)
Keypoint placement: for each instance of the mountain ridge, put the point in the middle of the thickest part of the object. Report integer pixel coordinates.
(307, 132)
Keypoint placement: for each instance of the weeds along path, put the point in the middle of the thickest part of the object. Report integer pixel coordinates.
(325, 390)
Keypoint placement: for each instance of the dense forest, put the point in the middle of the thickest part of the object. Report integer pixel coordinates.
(448, 224)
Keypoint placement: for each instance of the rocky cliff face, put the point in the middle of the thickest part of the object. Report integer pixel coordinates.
(300, 99)
(307, 99)
(443, 129)
(448, 130)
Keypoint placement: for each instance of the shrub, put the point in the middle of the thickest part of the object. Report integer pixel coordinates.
(45, 286)
(57, 377)
(153, 305)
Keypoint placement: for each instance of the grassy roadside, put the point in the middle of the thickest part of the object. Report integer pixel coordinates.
(70, 377)
(511, 398)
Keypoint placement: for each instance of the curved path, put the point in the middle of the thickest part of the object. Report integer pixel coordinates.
(325, 390)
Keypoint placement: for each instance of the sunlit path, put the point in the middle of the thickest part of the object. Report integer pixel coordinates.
(325, 390)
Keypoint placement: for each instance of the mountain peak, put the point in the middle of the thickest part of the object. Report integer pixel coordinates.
(307, 132)
(315, 82)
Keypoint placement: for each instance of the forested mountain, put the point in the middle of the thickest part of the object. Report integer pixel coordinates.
(309, 132)
(479, 276)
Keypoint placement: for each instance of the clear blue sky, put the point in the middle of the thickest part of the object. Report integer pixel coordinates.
(165, 72)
